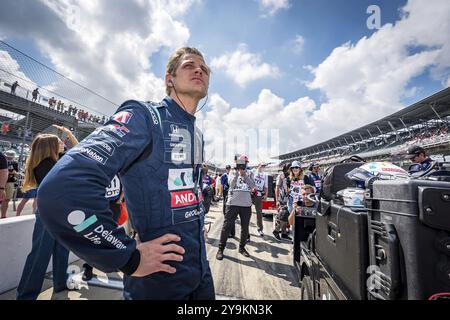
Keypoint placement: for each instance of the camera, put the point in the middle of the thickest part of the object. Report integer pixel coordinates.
(241, 165)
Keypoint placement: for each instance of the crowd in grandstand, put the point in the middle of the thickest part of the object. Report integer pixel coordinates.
(70, 110)
(60, 106)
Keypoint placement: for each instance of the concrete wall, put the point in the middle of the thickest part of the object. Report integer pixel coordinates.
(15, 245)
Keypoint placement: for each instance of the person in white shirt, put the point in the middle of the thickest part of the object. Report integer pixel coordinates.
(218, 187)
(261, 182)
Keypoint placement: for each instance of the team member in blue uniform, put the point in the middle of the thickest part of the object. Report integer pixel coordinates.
(158, 154)
(418, 155)
(314, 178)
(207, 189)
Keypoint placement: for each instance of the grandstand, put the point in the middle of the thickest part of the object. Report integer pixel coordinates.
(425, 123)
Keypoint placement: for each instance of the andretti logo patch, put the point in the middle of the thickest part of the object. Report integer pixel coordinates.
(183, 198)
(123, 117)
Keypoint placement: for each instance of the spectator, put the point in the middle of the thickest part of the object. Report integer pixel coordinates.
(281, 185)
(418, 156)
(239, 202)
(218, 187)
(213, 186)
(13, 171)
(14, 87)
(207, 189)
(35, 94)
(295, 181)
(29, 194)
(46, 150)
(262, 187)
(225, 185)
(51, 102)
(314, 178)
(27, 133)
(3, 178)
(5, 128)
(19, 132)
(292, 185)
(303, 204)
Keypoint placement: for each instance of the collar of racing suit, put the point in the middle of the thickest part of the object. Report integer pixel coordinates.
(173, 106)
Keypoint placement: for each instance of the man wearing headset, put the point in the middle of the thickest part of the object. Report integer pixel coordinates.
(157, 153)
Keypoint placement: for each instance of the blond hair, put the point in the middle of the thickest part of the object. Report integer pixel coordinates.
(44, 146)
(175, 61)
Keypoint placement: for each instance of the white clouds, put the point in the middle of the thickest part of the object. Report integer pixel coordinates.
(272, 6)
(11, 67)
(105, 45)
(261, 129)
(361, 83)
(367, 80)
(243, 66)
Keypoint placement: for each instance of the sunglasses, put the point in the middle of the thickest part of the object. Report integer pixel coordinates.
(295, 168)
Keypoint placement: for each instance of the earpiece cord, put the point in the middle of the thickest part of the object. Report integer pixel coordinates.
(204, 103)
(173, 86)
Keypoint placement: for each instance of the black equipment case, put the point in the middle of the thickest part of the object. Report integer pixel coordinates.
(341, 243)
(409, 238)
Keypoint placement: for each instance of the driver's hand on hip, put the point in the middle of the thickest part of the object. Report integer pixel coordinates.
(155, 252)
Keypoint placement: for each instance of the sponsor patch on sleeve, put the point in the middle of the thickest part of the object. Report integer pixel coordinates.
(122, 117)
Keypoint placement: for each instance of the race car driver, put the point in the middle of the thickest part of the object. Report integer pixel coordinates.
(157, 153)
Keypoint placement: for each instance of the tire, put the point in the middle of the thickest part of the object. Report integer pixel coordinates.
(306, 289)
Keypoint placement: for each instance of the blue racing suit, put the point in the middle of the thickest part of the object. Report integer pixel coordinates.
(157, 153)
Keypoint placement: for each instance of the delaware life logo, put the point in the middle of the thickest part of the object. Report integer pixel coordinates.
(78, 220)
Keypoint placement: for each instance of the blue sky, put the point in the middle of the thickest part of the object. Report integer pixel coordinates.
(339, 74)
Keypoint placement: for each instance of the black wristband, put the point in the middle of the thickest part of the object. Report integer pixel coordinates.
(131, 266)
(2, 188)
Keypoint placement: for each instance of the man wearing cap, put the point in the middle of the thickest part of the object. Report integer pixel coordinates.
(418, 155)
(314, 178)
(239, 202)
(261, 181)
